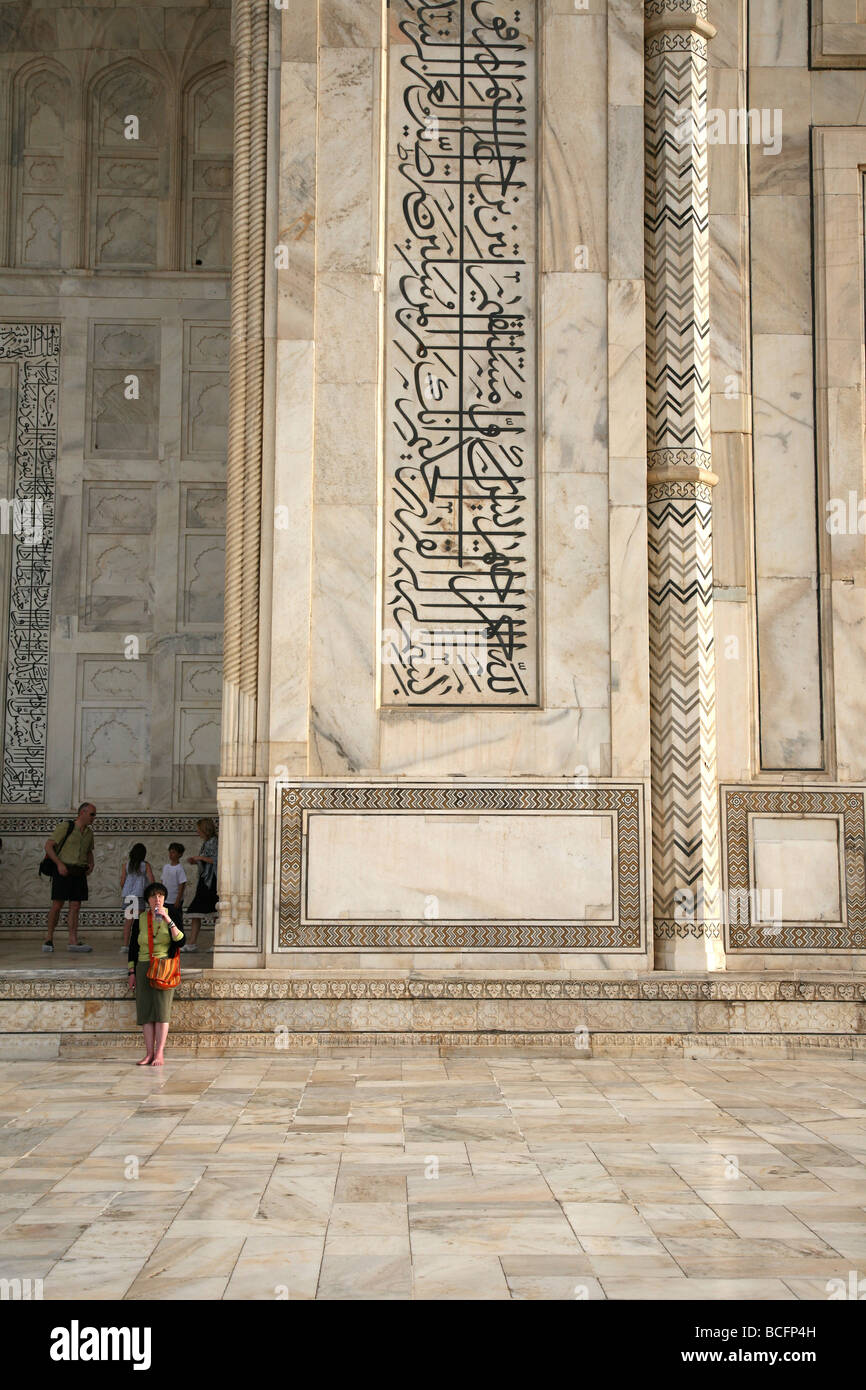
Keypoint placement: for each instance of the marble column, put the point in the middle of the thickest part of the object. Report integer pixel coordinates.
(686, 863)
(239, 796)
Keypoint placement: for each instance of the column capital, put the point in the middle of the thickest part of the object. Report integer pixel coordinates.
(662, 16)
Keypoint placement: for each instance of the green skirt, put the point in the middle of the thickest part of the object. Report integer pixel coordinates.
(151, 1005)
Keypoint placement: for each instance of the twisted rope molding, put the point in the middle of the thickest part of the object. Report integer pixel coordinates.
(246, 386)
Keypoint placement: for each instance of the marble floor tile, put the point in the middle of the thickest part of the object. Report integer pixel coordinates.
(281, 1268)
(713, 1290)
(187, 1267)
(605, 1219)
(500, 1232)
(353, 1267)
(442, 1277)
(102, 1277)
(354, 1186)
(368, 1218)
(362, 1174)
(558, 1287)
(754, 1222)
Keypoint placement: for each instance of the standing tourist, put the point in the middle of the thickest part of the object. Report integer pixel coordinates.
(156, 938)
(135, 875)
(174, 878)
(70, 850)
(205, 896)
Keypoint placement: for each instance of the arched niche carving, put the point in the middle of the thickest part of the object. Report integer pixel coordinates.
(207, 170)
(40, 106)
(130, 174)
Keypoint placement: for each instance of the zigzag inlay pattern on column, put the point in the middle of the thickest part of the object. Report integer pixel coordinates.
(682, 671)
(677, 250)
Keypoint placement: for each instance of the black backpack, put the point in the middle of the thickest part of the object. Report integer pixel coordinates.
(48, 867)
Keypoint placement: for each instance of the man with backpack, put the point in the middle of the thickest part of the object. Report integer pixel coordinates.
(70, 856)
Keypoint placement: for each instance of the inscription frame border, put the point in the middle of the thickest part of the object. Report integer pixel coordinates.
(628, 934)
(740, 805)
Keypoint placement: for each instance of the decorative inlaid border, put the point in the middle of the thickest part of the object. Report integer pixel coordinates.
(36, 346)
(626, 803)
(601, 1044)
(52, 986)
(43, 822)
(739, 803)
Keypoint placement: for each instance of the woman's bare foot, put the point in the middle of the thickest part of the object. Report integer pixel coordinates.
(145, 1062)
(157, 1062)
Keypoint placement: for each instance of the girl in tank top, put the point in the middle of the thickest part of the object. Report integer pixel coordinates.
(135, 875)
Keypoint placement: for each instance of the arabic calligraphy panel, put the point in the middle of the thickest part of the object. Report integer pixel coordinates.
(459, 612)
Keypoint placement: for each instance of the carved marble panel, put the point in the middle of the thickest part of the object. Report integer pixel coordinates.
(123, 410)
(107, 678)
(205, 402)
(459, 597)
(198, 687)
(118, 591)
(205, 508)
(114, 507)
(114, 755)
(203, 580)
(119, 522)
(198, 755)
(202, 548)
(35, 347)
(199, 680)
(207, 414)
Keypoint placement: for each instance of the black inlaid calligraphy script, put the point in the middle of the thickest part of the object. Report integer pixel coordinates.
(459, 621)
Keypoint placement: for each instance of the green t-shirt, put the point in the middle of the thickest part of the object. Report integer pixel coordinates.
(77, 845)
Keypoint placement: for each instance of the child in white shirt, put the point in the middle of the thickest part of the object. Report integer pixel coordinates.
(174, 878)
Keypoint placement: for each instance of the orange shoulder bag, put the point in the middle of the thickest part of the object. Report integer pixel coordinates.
(165, 972)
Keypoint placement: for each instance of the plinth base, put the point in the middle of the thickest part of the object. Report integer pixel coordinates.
(54, 1012)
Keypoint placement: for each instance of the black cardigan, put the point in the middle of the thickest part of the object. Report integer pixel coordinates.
(173, 946)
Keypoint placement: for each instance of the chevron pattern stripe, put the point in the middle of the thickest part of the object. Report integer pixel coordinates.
(686, 858)
(677, 248)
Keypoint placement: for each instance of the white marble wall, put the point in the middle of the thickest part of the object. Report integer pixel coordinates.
(591, 439)
(324, 714)
(122, 243)
(787, 347)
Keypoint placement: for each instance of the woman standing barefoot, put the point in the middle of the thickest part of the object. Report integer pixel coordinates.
(152, 1006)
